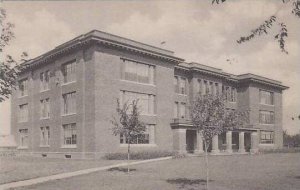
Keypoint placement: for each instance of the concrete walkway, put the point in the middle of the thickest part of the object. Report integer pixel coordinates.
(72, 174)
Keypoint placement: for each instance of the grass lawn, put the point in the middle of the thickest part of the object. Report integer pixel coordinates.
(20, 168)
(269, 171)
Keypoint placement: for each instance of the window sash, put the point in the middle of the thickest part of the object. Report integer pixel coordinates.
(266, 137)
(23, 87)
(266, 117)
(146, 138)
(70, 134)
(69, 72)
(69, 103)
(23, 113)
(45, 136)
(138, 72)
(23, 137)
(266, 97)
(146, 102)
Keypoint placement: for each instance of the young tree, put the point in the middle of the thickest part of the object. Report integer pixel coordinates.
(128, 124)
(269, 23)
(210, 117)
(9, 68)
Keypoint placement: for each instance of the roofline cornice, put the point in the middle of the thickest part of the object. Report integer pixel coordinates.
(82, 41)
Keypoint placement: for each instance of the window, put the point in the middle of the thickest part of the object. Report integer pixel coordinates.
(146, 138)
(23, 87)
(230, 93)
(23, 140)
(176, 84)
(69, 134)
(45, 136)
(176, 109)
(182, 110)
(146, 102)
(69, 103)
(182, 85)
(266, 137)
(69, 71)
(217, 90)
(199, 86)
(266, 97)
(45, 108)
(266, 117)
(44, 80)
(138, 72)
(23, 113)
(233, 95)
(211, 88)
(206, 87)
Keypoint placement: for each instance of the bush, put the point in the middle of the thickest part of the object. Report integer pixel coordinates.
(142, 155)
(283, 150)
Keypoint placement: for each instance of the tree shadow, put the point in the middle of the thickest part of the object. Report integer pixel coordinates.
(121, 169)
(189, 184)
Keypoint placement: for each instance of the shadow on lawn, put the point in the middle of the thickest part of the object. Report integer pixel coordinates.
(121, 169)
(189, 184)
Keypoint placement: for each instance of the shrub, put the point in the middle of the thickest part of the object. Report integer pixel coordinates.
(142, 155)
(283, 150)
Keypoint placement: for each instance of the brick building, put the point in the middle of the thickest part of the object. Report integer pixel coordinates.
(66, 98)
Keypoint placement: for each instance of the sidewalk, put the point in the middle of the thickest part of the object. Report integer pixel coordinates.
(72, 174)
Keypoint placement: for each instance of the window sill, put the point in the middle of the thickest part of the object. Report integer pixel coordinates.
(43, 118)
(23, 96)
(69, 114)
(181, 94)
(266, 144)
(272, 105)
(22, 147)
(148, 84)
(46, 90)
(22, 121)
(265, 124)
(138, 145)
(67, 83)
(44, 146)
(69, 146)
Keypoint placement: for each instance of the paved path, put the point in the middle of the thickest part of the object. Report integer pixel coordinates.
(72, 174)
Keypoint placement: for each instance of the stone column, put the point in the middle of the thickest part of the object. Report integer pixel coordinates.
(254, 142)
(229, 141)
(242, 142)
(199, 149)
(179, 141)
(215, 145)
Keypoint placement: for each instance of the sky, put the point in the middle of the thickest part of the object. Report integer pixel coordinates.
(195, 30)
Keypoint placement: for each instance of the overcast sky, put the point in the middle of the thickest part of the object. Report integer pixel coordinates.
(194, 30)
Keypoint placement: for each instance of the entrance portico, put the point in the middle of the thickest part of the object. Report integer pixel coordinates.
(187, 139)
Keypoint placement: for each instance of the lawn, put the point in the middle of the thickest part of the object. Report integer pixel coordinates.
(240, 172)
(20, 168)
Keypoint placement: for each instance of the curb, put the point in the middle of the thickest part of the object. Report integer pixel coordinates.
(73, 174)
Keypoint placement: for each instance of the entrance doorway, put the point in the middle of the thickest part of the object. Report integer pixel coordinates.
(191, 140)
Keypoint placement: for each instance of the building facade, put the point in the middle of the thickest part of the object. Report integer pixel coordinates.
(67, 96)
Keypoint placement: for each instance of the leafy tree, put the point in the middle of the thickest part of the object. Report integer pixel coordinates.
(269, 23)
(210, 117)
(9, 67)
(128, 124)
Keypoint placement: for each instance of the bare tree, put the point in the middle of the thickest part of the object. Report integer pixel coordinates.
(210, 117)
(128, 124)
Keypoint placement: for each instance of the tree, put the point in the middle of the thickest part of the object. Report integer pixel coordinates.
(128, 124)
(9, 67)
(210, 117)
(268, 24)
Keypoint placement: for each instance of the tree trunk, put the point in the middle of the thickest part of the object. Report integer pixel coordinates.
(206, 162)
(128, 157)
